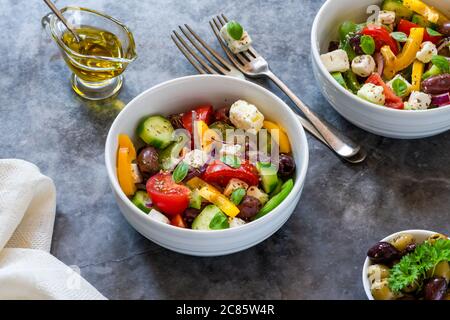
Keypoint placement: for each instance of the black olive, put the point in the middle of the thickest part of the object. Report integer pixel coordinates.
(445, 29)
(333, 46)
(189, 215)
(223, 114)
(286, 167)
(148, 161)
(249, 208)
(435, 289)
(384, 253)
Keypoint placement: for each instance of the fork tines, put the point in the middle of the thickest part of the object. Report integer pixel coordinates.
(216, 65)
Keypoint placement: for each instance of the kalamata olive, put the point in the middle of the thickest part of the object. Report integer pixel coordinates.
(190, 214)
(192, 173)
(286, 166)
(223, 114)
(148, 161)
(409, 249)
(437, 85)
(355, 42)
(176, 120)
(334, 45)
(249, 208)
(383, 252)
(445, 29)
(435, 289)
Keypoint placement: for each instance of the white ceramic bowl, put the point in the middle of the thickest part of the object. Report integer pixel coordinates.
(402, 124)
(183, 94)
(419, 235)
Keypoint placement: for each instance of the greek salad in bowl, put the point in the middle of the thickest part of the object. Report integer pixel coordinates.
(207, 169)
(400, 59)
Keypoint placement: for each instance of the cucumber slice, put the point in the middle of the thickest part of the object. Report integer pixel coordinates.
(203, 220)
(195, 200)
(340, 79)
(156, 131)
(277, 188)
(269, 177)
(140, 200)
(170, 156)
(401, 12)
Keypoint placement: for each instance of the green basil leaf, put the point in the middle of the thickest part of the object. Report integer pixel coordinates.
(399, 36)
(235, 30)
(400, 87)
(237, 196)
(433, 33)
(180, 172)
(219, 222)
(367, 45)
(231, 161)
(442, 63)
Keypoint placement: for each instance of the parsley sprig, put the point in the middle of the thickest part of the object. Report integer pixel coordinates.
(412, 268)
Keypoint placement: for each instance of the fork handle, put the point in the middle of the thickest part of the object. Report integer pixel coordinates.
(341, 144)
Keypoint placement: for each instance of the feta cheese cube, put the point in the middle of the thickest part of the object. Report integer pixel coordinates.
(336, 61)
(246, 116)
(372, 93)
(408, 85)
(236, 46)
(136, 174)
(427, 51)
(158, 216)
(418, 101)
(236, 222)
(386, 17)
(363, 65)
(196, 158)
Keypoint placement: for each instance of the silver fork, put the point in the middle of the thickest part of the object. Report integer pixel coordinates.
(218, 65)
(253, 65)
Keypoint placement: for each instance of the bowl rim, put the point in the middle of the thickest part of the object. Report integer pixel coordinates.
(373, 106)
(298, 183)
(367, 263)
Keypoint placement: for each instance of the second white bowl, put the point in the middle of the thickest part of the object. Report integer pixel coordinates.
(402, 124)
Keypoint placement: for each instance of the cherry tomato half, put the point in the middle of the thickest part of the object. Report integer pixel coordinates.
(171, 198)
(178, 221)
(381, 36)
(203, 113)
(219, 173)
(392, 101)
(405, 26)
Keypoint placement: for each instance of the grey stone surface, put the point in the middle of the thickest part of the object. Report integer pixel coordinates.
(318, 254)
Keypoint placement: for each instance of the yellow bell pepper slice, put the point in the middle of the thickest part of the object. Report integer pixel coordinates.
(394, 64)
(214, 196)
(220, 201)
(430, 13)
(417, 72)
(283, 140)
(125, 142)
(124, 172)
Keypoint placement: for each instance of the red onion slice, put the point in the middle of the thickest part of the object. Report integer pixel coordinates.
(380, 63)
(441, 99)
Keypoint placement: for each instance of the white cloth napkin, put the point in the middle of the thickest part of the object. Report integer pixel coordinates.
(27, 214)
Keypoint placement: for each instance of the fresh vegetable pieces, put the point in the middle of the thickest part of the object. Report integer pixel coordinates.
(158, 216)
(431, 14)
(283, 140)
(405, 27)
(233, 185)
(346, 28)
(203, 113)
(286, 188)
(220, 173)
(125, 142)
(395, 63)
(442, 63)
(178, 221)
(180, 172)
(235, 30)
(156, 131)
(218, 199)
(142, 201)
(413, 267)
(166, 195)
(352, 81)
(416, 77)
(381, 36)
(219, 222)
(397, 6)
(256, 193)
(268, 174)
(124, 172)
(195, 200)
(441, 100)
(367, 45)
(340, 79)
(391, 100)
(237, 196)
(204, 219)
(170, 156)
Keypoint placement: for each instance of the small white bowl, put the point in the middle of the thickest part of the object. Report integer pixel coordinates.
(181, 95)
(387, 122)
(419, 235)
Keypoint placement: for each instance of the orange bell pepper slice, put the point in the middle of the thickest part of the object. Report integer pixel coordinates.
(125, 142)
(124, 172)
(283, 140)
